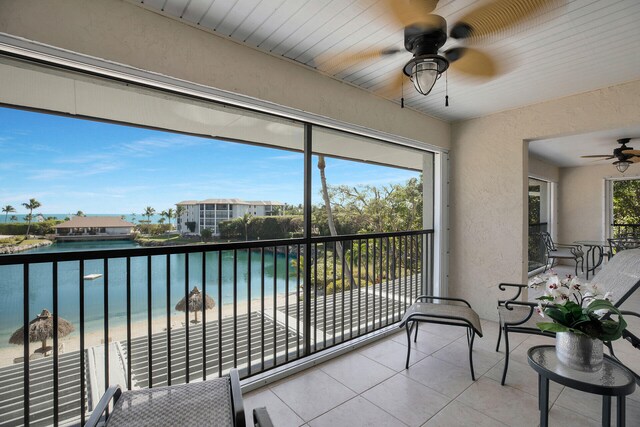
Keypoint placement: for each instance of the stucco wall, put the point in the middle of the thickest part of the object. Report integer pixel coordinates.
(538, 168)
(489, 166)
(582, 201)
(124, 33)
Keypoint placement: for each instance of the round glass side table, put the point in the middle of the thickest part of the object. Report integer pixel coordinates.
(612, 380)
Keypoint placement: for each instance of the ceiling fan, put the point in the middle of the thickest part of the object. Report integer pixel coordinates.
(625, 155)
(426, 33)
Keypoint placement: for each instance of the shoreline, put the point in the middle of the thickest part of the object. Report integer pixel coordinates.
(8, 250)
(138, 329)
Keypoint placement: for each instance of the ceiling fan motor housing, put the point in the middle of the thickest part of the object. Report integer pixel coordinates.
(421, 39)
(620, 152)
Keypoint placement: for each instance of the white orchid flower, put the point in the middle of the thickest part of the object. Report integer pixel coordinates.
(593, 289)
(540, 309)
(574, 284)
(536, 281)
(552, 286)
(608, 296)
(562, 296)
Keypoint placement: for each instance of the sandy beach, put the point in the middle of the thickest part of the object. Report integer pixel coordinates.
(138, 329)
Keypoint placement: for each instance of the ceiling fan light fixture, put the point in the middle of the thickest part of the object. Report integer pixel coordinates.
(424, 70)
(622, 165)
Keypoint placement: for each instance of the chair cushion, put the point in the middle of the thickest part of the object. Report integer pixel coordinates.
(517, 315)
(426, 311)
(193, 404)
(563, 253)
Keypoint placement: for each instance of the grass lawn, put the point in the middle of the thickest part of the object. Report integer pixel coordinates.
(20, 241)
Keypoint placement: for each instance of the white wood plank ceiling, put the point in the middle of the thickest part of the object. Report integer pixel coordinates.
(584, 45)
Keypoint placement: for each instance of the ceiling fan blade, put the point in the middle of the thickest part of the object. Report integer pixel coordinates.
(393, 89)
(635, 159)
(472, 61)
(332, 64)
(597, 155)
(497, 16)
(631, 151)
(409, 12)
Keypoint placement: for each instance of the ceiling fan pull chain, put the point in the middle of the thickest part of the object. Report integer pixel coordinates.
(446, 89)
(402, 97)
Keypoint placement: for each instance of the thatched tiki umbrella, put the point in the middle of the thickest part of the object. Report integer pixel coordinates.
(195, 302)
(41, 329)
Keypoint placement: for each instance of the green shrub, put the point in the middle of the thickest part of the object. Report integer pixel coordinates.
(153, 229)
(262, 228)
(37, 228)
(206, 234)
(15, 228)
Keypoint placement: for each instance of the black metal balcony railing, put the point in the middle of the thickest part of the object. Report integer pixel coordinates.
(537, 251)
(623, 230)
(276, 301)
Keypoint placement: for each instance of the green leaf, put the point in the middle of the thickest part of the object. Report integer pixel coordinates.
(556, 314)
(552, 327)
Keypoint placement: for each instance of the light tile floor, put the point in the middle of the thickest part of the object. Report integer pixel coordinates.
(370, 386)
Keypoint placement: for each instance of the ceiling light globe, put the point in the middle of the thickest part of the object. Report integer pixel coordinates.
(424, 76)
(424, 70)
(622, 165)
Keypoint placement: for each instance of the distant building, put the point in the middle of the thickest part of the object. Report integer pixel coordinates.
(94, 228)
(211, 212)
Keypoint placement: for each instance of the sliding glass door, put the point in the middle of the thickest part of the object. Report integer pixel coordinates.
(539, 214)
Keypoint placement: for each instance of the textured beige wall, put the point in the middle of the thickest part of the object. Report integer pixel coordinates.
(489, 166)
(582, 204)
(538, 168)
(124, 33)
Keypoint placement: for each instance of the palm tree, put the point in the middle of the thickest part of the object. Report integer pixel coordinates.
(332, 226)
(149, 212)
(170, 213)
(7, 210)
(180, 209)
(33, 204)
(13, 218)
(246, 220)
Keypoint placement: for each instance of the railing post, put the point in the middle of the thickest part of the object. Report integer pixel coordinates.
(25, 347)
(307, 238)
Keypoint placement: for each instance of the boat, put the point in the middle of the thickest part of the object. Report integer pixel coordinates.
(93, 276)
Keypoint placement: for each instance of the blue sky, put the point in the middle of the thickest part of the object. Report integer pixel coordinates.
(69, 164)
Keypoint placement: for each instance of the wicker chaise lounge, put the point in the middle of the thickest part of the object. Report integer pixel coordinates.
(213, 402)
(621, 276)
(452, 311)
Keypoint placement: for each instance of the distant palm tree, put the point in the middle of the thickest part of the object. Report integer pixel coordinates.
(170, 213)
(33, 204)
(13, 218)
(149, 212)
(246, 220)
(7, 210)
(180, 209)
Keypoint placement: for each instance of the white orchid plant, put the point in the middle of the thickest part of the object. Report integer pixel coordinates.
(576, 307)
